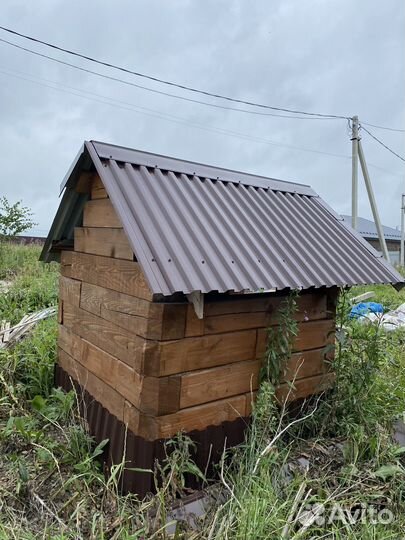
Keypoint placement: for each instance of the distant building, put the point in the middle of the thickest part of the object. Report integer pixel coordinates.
(368, 230)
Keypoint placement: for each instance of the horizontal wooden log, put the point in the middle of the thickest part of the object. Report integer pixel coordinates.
(304, 388)
(84, 181)
(171, 357)
(150, 395)
(103, 241)
(212, 384)
(100, 213)
(236, 313)
(150, 320)
(193, 418)
(69, 290)
(98, 389)
(109, 337)
(125, 311)
(98, 190)
(66, 263)
(218, 383)
(148, 426)
(174, 320)
(311, 335)
(116, 274)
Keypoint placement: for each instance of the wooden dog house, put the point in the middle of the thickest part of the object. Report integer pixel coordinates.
(171, 272)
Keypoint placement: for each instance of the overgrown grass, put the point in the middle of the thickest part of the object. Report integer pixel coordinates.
(51, 482)
(31, 285)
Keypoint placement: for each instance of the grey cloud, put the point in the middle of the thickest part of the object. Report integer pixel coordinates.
(335, 56)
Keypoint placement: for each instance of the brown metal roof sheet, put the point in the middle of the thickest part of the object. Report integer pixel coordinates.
(199, 228)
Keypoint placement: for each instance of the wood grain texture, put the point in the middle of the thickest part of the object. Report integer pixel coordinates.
(148, 426)
(66, 263)
(304, 388)
(157, 321)
(69, 290)
(121, 377)
(150, 395)
(100, 213)
(101, 391)
(212, 384)
(311, 335)
(103, 241)
(125, 311)
(105, 335)
(171, 357)
(217, 383)
(235, 313)
(195, 418)
(84, 182)
(116, 274)
(98, 190)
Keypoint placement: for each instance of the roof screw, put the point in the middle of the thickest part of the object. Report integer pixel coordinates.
(232, 262)
(169, 260)
(203, 262)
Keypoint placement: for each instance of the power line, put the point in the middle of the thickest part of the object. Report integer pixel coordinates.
(166, 82)
(169, 117)
(384, 127)
(155, 91)
(383, 144)
(308, 115)
(166, 116)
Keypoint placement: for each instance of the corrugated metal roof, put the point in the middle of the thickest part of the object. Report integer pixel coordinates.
(198, 228)
(367, 229)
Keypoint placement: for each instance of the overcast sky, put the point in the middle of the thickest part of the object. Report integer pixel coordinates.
(341, 57)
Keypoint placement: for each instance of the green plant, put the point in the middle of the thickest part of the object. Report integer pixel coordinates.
(279, 341)
(14, 218)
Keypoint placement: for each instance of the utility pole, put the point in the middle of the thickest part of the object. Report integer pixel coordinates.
(372, 200)
(355, 162)
(402, 256)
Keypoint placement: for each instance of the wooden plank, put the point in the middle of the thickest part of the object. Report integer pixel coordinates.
(125, 311)
(150, 395)
(212, 384)
(69, 290)
(105, 241)
(100, 213)
(84, 182)
(106, 367)
(116, 274)
(172, 320)
(304, 388)
(307, 364)
(109, 337)
(237, 313)
(158, 321)
(311, 335)
(193, 418)
(60, 312)
(99, 390)
(66, 263)
(150, 320)
(98, 190)
(171, 357)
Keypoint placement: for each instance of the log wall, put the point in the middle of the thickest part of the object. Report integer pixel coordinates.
(155, 366)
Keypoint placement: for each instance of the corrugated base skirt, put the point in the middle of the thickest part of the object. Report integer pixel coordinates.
(142, 454)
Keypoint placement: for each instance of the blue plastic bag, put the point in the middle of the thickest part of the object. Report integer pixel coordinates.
(361, 309)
